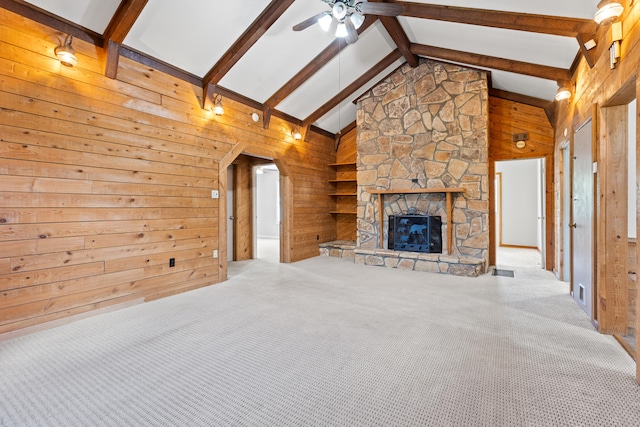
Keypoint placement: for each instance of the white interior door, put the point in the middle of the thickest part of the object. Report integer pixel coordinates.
(583, 206)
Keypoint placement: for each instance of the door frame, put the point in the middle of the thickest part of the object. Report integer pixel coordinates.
(549, 206)
(566, 172)
(594, 220)
(286, 204)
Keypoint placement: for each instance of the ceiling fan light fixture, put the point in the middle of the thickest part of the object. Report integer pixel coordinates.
(325, 21)
(341, 31)
(66, 54)
(357, 19)
(608, 12)
(339, 10)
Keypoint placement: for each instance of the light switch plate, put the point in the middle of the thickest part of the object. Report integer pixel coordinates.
(215, 194)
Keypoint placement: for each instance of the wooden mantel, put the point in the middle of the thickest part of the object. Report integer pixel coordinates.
(449, 208)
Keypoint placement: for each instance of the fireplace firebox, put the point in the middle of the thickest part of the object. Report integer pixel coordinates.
(415, 233)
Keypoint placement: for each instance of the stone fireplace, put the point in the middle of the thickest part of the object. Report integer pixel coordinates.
(423, 147)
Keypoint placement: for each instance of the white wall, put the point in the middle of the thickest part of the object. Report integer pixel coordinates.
(632, 169)
(520, 202)
(267, 219)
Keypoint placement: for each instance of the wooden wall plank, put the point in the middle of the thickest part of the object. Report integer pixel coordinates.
(612, 295)
(105, 180)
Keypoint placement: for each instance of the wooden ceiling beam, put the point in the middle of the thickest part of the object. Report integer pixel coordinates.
(543, 24)
(484, 61)
(312, 67)
(251, 35)
(117, 30)
(357, 84)
(395, 30)
(122, 21)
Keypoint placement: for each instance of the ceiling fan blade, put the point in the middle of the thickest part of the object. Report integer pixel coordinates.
(384, 9)
(308, 22)
(352, 33)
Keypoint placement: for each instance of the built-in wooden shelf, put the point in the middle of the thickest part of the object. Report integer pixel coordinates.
(342, 164)
(449, 206)
(343, 180)
(344, 193)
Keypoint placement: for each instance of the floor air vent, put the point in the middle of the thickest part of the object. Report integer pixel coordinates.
(504, 273)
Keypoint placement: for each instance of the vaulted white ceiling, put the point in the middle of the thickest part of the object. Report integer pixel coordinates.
(193, 35)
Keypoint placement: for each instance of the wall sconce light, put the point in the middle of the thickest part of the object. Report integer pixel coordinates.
(218, 109)
(614, 49)
(295, 133)
(66, 54)
(608, 12)
(520, 139)
(564, 91)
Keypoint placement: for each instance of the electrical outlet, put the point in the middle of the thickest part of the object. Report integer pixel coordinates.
(215, 253)
(172, 262)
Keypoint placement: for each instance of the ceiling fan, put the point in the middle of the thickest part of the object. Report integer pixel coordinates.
(348, 15)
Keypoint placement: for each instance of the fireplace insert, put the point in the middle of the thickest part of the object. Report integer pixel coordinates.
(415, 233)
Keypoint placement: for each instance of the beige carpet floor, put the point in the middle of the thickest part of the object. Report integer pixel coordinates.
(325, 342)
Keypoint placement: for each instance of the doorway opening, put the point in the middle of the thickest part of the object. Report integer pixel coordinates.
(266, 202)
(253, 209)
(520, 213)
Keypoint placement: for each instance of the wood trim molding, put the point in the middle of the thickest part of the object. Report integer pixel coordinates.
(498, 182)
(534, 70)
(448, 192)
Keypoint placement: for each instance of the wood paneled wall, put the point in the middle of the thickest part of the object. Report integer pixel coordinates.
(602, 87)
(507, 118)
(103, 181)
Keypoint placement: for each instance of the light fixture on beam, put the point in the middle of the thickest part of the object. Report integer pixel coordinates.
(218, 109)
(608, 12)
(564, 92)
(295, 133)
(66, 54)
